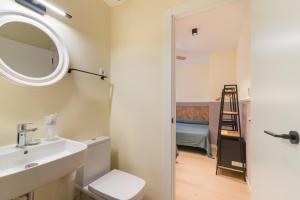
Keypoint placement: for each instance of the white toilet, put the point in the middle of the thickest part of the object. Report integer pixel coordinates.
(97, 181)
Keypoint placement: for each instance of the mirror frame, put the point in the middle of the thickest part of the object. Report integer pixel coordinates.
(63, 63)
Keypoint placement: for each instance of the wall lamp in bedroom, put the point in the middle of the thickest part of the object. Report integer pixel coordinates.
(41, 6)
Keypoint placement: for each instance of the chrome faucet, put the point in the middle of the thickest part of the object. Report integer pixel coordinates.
(22, 131)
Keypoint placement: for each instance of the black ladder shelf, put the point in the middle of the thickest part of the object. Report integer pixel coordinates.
(231, 145)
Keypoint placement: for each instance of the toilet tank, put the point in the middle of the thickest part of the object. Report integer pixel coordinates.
(97, 161)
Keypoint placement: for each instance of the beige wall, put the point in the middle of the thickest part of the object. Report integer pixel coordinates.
(243, 59)
(245, 108)
(222, 71)
(137, 108)
(243, 74)
(192, 83)
(81, 101)
(203, 82)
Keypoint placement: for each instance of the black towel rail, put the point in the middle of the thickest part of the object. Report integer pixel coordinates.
(103, 77)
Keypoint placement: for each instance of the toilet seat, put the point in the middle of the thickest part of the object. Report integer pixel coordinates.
(118, 185)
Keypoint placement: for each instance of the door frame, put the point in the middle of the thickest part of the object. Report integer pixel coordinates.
(169, 89)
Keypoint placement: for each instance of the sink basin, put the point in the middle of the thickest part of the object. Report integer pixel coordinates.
(23, 170)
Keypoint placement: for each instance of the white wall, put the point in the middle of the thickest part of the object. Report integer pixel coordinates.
(204, 81)
(192, 83)
(222, 71)
(82, 101)
(243, 72)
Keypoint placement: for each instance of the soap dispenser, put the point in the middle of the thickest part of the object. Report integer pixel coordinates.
(50, 126)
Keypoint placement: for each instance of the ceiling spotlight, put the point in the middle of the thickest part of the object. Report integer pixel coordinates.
(195, 32)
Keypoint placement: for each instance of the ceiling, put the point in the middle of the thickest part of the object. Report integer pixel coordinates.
(219, 29)
(114, 2)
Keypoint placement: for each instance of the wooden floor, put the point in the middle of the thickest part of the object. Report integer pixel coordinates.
(196, 179)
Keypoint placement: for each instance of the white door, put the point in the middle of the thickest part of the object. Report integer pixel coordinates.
(275, 163)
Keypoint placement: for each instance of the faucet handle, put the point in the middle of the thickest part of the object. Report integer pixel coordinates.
(23, 126)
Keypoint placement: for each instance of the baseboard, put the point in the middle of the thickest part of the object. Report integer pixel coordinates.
(214, 149)
(248, 183)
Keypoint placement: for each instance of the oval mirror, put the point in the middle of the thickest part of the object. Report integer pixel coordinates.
(27, 50)
(31, 53)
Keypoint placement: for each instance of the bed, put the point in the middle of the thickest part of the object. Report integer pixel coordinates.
(192, 128)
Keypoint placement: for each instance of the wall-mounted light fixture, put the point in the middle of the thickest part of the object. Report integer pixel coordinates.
(41, 6)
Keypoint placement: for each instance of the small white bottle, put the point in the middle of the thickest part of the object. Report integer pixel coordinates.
(50, 126)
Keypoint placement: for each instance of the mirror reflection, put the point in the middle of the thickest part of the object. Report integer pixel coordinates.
(27, 50)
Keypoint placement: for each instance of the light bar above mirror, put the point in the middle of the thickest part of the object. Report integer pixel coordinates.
(41, 6)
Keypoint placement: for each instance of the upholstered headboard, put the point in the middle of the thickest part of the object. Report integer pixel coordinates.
(191, 112)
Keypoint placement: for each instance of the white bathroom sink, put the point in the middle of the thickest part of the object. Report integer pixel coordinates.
(23, 170)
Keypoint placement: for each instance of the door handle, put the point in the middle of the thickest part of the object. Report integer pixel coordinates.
(293, 136)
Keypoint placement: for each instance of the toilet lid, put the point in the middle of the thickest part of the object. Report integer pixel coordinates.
(117, 185)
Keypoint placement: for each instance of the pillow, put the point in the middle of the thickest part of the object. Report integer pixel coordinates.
(187, 121)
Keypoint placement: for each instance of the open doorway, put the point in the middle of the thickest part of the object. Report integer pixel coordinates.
(212, 50)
